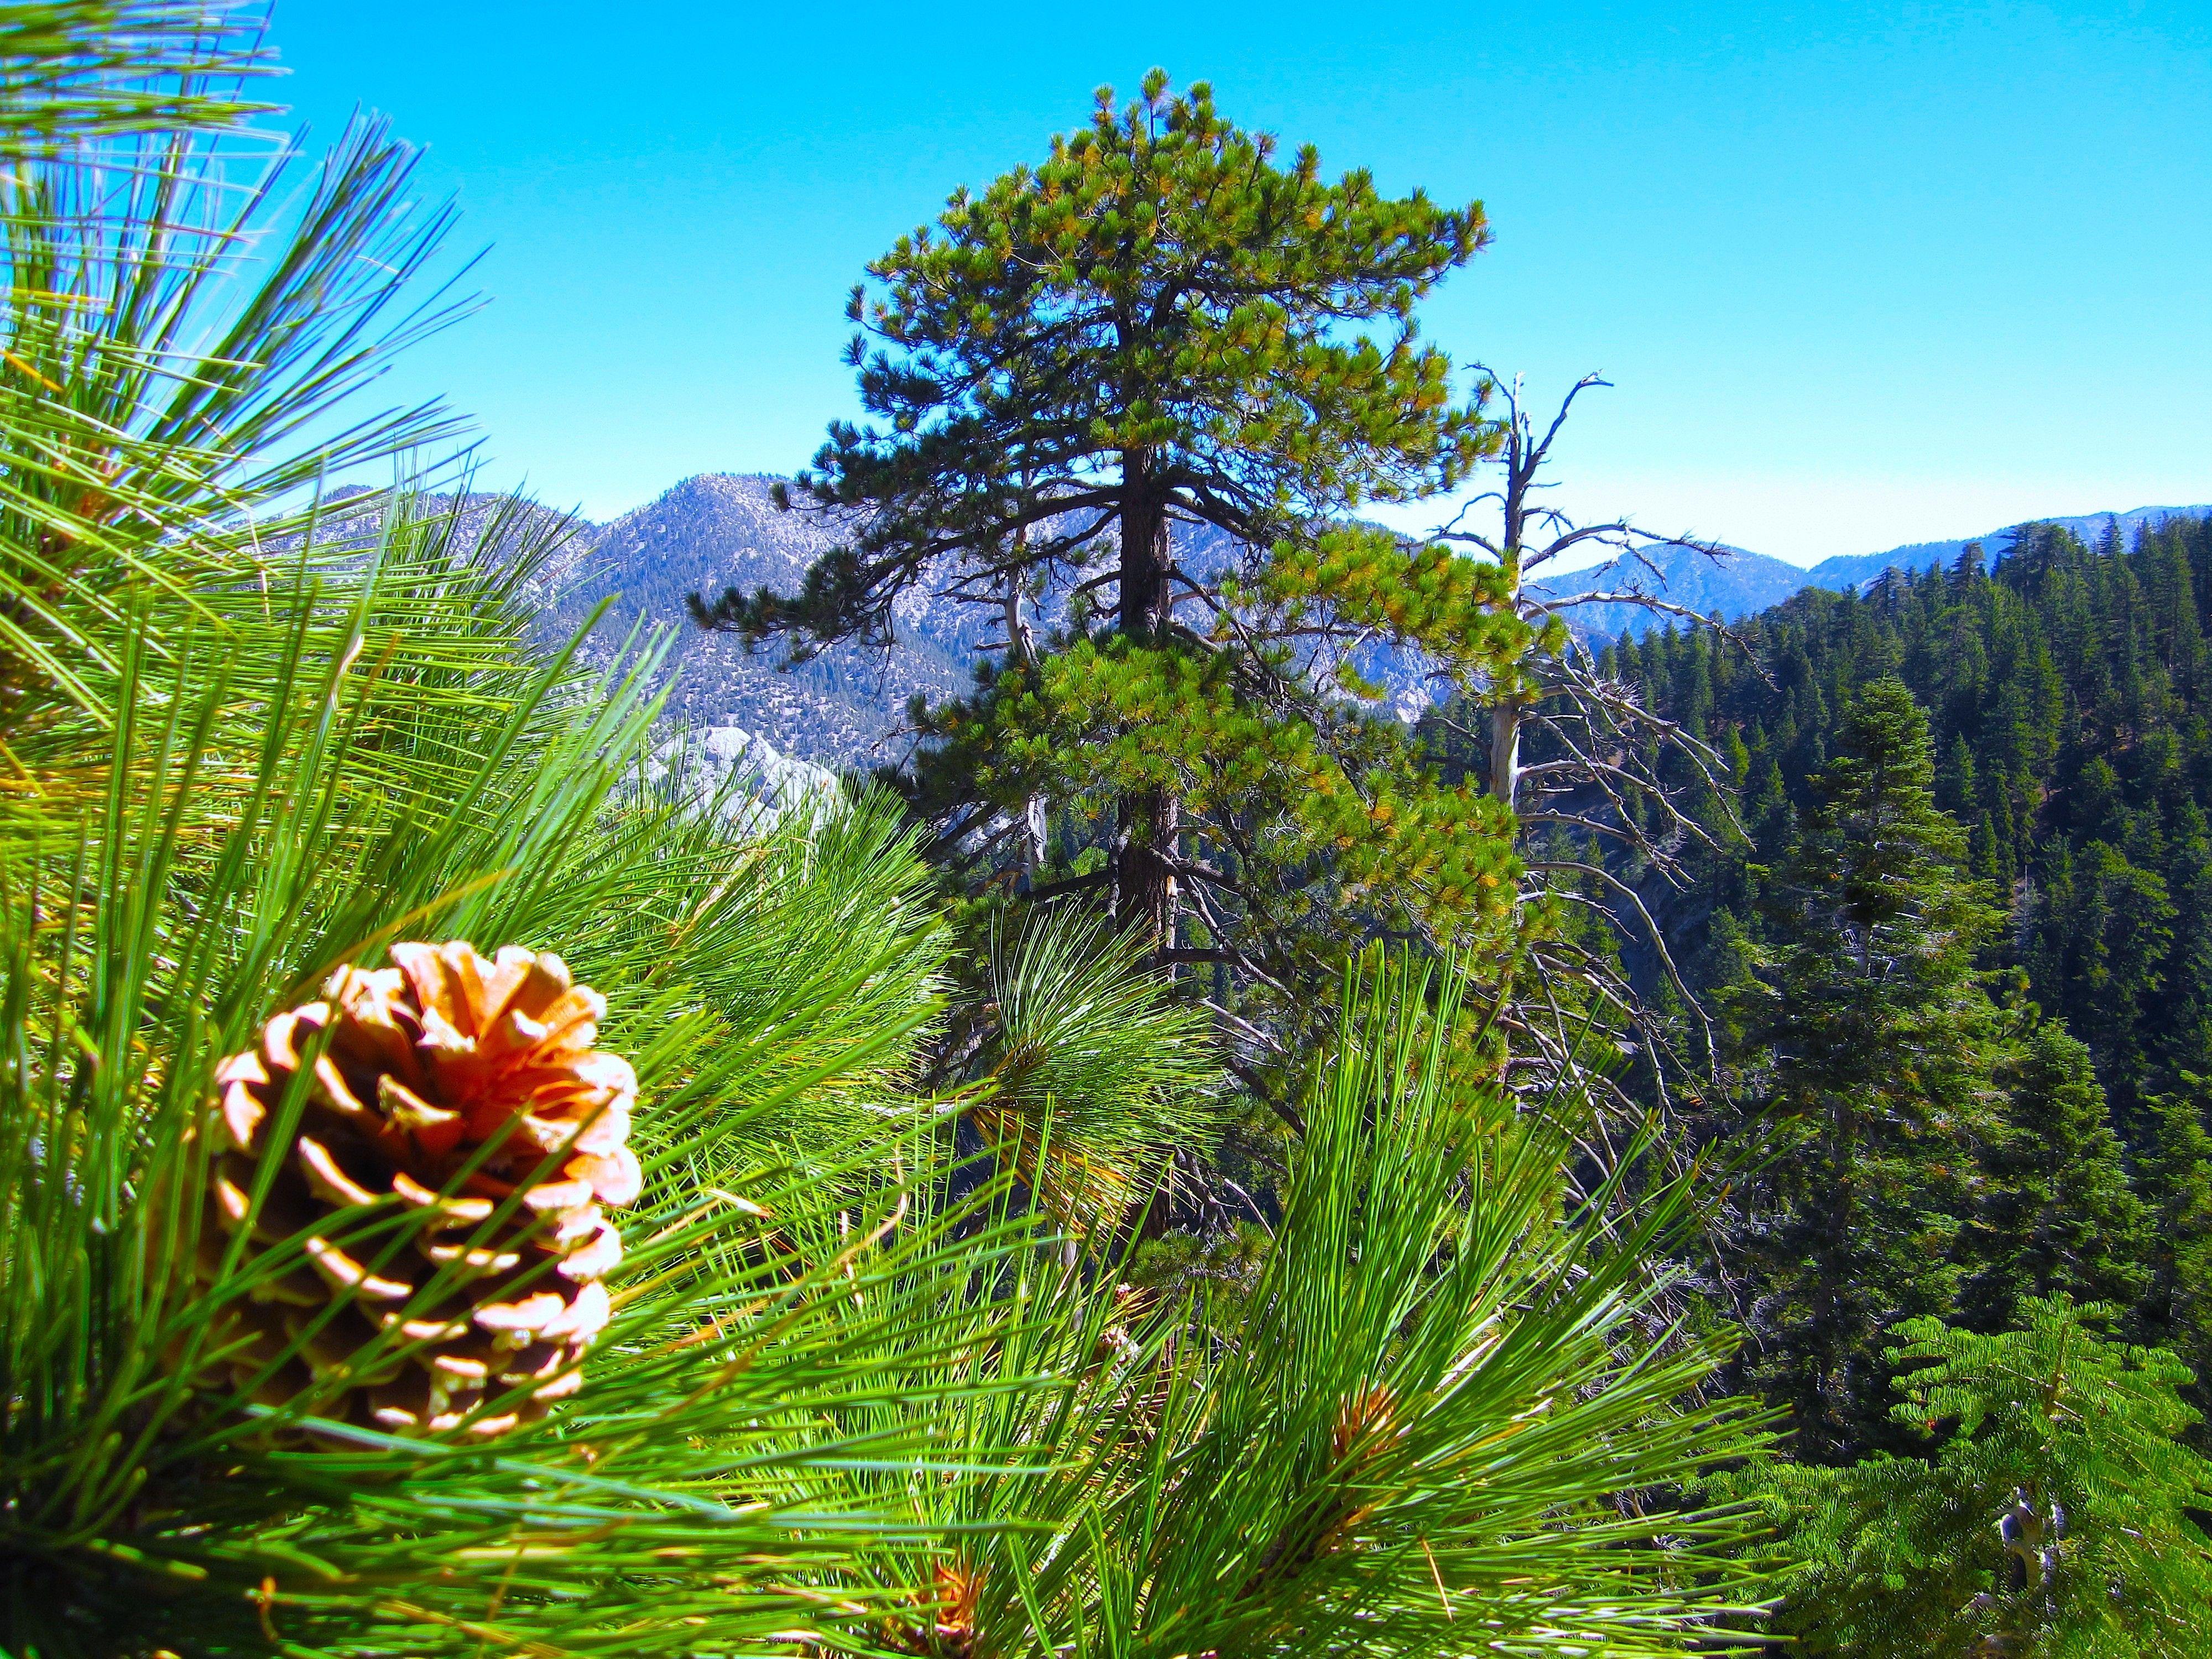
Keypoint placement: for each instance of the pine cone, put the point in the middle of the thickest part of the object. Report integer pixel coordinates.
(950, 1632)
(425, 1063)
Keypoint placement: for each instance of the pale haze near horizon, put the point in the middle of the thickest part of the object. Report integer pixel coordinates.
(1860, 274)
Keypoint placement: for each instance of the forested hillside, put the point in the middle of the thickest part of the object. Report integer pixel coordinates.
(2069, 693)
(1943, 895)
(1956, 936)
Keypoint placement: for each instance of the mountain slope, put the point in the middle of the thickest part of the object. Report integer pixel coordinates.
(847, 707)
(718, 529)
(1740, 583)
(1734, 583)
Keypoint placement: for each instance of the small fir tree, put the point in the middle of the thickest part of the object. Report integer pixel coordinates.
(2060, 1517)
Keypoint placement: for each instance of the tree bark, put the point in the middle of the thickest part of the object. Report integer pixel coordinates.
(1144, 885)
(1020, 651)
(1505, 748)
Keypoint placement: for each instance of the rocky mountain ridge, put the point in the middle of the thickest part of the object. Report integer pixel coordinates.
(846, 708)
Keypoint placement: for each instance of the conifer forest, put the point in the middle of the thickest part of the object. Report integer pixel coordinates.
(1691, 1141)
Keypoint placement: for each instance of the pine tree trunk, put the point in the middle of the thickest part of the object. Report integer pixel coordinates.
(1505, 748)
(1826, 1409)
(1144, 885)
(1020, 652)
(1144, 890)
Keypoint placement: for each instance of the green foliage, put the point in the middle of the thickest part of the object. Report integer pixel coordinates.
(1170, 361)
(2066, 688)
(135, 957)
(1869, 1045)
(183, 316)
(852, 1396)
(2175, 1176)
(242, 756)
(775, 1363)
(1409, 1435)
(1162, 293)
(1436, 1378)
(2056, 1213)
(1219, 1270)
(1334, 796)
(1087, 1078)
(86, 69)
(1967, 1553)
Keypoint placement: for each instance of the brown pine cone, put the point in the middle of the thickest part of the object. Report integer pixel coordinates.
(425, 1063)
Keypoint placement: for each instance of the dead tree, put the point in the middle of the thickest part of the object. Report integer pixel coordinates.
(1599, 773)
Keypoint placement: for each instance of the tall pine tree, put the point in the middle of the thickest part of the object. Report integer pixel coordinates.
(1870, 1048)
(1170, 364)
(2176, 1177)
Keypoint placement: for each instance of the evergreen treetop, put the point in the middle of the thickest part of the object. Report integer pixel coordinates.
(1874, 869)
(2056, 1214)
(1869, 1045)
(1159, 323)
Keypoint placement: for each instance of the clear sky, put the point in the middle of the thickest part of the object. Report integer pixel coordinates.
(1862, 274)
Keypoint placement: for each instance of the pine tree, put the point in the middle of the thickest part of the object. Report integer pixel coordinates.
(1870, 1050)
(617, 1290)
(1170, 363)
(2056, 1213)
(2175, 1178)
(1296, 1485)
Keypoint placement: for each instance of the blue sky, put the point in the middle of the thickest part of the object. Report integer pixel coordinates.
(1862, 274)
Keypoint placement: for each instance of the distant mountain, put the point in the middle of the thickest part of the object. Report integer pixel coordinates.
(1739, 583)
(1854, 570)
(745, 716)
(1735, 583)
(718, 529)
(847, 707)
